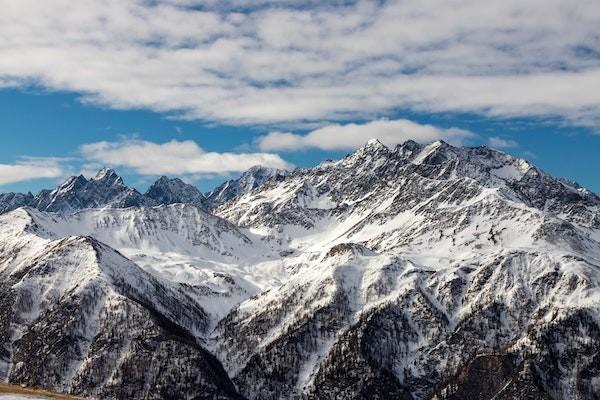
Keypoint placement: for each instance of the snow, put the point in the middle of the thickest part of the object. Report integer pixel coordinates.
(426, 152)
(508, 172)
(321, 235)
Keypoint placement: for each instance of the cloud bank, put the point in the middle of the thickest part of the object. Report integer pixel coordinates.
(267, 62)
(352, 136)
(173, 158)
(31, 168)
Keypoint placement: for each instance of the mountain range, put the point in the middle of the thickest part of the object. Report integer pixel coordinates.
(107, 190)
(415, 272)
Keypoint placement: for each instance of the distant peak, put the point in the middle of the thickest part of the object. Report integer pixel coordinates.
(165, 180)
(440, 143)
(372, 146)
(173, 190)
(410, 145)
(109, 176)
(105, 173)
(375, 143)
(72, 179)
(261, 168)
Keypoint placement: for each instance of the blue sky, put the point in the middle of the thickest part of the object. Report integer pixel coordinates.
(204, 90)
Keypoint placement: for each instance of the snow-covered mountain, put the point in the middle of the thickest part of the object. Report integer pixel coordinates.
(214, 261)
(248, 180)
(12, 201)
(420, 272)
(414, 272)
(107, 190)
(78, 316)
(171, 191)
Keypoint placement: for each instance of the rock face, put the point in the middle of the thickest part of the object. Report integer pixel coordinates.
(106, 189)
(171, 191)
(249, 180)
(418, 272)
(12, 201)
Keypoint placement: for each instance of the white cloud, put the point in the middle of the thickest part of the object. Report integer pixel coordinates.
(173, 158)
(305, 60)
(30, 168)
(502, 143)
(352, 136)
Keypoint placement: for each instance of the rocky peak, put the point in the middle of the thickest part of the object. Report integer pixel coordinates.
(11, 201)
(248, 181)
(170, 191)
(372, 147)
(72, 183)
(374, 144)
(108, 176)
(106, 189)
(437, 153)
(408, 149)
(257, 175)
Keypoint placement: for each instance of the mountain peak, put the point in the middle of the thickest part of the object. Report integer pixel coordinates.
(374, 144)
(408, 148)
(169, 191)
(108, 175)
(72, 182)
(165, 180)
(247, 181)
(260, 169)
(256, 168)
(441, 143)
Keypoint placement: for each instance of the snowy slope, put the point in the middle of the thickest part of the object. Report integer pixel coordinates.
(418, 272)
(421, 241)
(215, 262)
(78, 316)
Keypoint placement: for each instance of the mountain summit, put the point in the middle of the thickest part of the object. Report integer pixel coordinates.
(106, 189)
(170, 191)
(248, 180)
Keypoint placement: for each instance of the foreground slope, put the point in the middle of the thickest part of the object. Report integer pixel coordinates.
(79, 317)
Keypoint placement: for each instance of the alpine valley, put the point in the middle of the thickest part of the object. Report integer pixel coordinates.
(414, 272)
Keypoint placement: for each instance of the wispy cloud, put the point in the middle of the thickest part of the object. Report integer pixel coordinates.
(173, 158)
(31, 168)
(265, 62)
(502, 143)
(352, 136)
